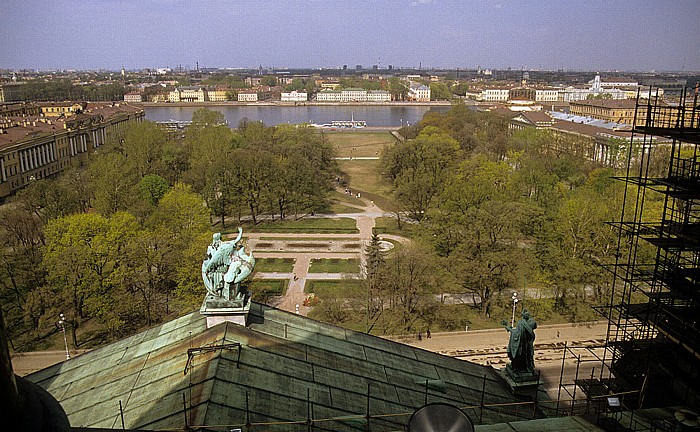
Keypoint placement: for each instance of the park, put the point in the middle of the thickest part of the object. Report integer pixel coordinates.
(314, 263)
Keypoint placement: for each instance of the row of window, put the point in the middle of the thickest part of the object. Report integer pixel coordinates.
(28, 160)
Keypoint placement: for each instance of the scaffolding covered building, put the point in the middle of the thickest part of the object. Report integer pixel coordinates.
(653, 343)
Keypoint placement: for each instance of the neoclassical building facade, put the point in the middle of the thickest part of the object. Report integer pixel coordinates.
(36, 144)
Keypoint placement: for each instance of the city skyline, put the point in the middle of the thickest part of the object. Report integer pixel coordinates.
(588, 35)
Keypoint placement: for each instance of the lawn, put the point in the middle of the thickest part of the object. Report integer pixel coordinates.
(346, 199)
(337, 208)
(360, 144)
(335, 265)
(307, 226)
(386, 225)
(364, 176)
(332, 288)
(298, 238)
(345, 203)
(262, 290)
(274, 265)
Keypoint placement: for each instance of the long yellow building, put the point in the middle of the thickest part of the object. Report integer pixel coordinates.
(40, 140)
(611, 110)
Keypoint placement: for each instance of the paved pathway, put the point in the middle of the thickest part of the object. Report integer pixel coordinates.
(465, 343)
(25, 363)
(487, 347)
(293, 299)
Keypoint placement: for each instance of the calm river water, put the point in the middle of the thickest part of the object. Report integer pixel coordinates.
(273, 115)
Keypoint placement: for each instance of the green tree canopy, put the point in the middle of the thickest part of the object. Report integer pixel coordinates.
(439, 91)
(419, 168)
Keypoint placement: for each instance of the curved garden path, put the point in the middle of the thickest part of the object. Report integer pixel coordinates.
(293, 299)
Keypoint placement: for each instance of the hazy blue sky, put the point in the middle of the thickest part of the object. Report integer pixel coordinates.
(552, 34)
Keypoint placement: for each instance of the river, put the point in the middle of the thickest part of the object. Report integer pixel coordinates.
(381, 116)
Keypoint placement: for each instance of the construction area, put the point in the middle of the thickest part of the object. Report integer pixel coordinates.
(652, 355)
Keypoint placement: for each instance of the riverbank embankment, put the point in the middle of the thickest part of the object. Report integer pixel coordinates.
(290, 104)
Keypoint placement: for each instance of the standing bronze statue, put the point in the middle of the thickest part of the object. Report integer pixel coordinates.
(521, 346)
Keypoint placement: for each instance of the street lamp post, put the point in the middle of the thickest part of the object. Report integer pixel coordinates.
(515, 302)
(62, 323)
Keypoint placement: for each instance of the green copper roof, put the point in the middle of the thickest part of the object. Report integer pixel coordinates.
(285, 367)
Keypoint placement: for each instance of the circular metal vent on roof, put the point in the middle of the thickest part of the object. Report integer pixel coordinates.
(439, 417)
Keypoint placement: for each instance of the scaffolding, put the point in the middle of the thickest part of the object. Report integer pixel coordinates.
(653, 341)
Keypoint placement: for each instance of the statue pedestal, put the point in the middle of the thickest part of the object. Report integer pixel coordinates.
(522, 384)
(218, 310)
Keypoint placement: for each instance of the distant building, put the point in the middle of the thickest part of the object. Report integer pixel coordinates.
(594, 142)
(36, 145)
(546, 95)
(618, 111)
(285, 80)
(193, 94)
(353, 95)
(598, 88)
(133, 97)
(256, 95)
(542, 94)
(522, 93)
(419, 93)
(247, 96)
(571, 93)
(378, 96)
(294, 96)
(642, 92)
(20, 109)
(598, 140)
(613, 83)
(253, 81)
(188, 94)
(531, 119)
(217, 95)
(330, 85)
(328, 96)
(495, 94)
(60, 109)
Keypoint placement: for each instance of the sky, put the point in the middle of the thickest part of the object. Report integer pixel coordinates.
(601, 35)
